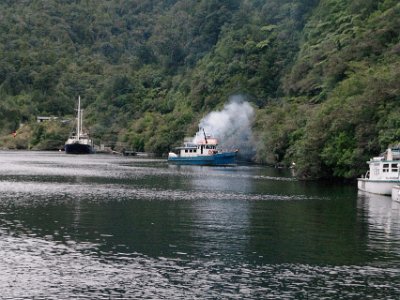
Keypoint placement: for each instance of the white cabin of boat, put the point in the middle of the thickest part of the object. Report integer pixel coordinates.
(386, 166)
(203, 147)
(82, 138)
(383, 173)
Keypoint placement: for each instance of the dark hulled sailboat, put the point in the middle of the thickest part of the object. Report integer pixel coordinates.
(79, 142)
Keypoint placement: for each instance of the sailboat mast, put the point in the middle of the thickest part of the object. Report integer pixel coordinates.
(81, 121)
(78, 126)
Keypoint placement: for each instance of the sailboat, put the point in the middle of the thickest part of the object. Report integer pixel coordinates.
(79, 142)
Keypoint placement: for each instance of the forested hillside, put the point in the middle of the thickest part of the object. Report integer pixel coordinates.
(342, 94)
(322, 75)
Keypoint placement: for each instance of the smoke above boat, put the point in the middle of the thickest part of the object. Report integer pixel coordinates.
(231, 126)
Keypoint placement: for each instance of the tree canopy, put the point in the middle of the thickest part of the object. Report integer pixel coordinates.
(323, 75)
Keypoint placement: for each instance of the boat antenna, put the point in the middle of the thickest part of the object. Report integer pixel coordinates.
(205, 136)
(78, 126)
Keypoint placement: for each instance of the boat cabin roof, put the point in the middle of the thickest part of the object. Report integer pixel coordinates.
(391, 154)
(191, 145)
(209, 141)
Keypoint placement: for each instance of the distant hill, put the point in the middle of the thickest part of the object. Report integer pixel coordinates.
(322, 75)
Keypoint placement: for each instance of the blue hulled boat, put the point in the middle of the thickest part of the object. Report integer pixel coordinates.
(202, 152)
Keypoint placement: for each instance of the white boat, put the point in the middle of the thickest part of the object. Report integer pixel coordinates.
(79, 142)
(383, 173)
(202, 151)
(396, 193)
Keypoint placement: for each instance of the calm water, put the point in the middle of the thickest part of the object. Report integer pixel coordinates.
(108, 227)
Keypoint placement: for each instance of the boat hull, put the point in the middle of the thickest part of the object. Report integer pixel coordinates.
(381, 187)
(78, 148)
(219, 159)
(396, 193)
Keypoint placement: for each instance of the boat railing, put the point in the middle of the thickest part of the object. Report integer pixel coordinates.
(378, 158)
(396, 155)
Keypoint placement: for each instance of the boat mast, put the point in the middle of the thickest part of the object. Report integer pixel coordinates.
(81, 122)
(205, 136)
(78, 126)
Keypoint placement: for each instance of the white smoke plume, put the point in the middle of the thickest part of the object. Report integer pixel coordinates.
(231, 126)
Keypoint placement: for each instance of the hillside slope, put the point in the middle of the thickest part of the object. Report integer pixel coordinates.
(322, 75)
(342, 93)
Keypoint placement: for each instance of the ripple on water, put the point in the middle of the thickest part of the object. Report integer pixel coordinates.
(44, 269)
(14, 191)
(47, 263)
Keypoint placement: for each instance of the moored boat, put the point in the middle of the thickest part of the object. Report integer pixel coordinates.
(396, 193)
(79, 142)
(202, 151)
(383, 173)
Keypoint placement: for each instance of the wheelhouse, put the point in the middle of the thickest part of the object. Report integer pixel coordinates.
(191, 149)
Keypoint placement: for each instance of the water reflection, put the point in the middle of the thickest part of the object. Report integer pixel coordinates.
(220, 230)
(100, 227)
(382, 216)
(221, 179)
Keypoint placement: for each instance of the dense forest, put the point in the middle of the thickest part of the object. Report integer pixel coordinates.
(323, 76)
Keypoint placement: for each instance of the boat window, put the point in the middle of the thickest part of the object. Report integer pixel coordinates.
(395, 168)
(385, 168)
(186, 150)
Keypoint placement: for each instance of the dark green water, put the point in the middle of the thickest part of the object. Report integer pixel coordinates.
(108, 227)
